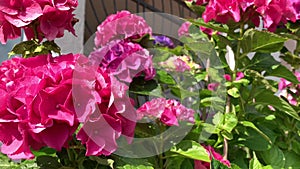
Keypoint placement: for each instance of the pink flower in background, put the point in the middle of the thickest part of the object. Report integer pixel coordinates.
(168, 111)
(20, 12)
(103, 107)
(36, 99)
(184, 29)
(283, 84)
(175, 63)
(213, 86)
(222, 11)
(227, 77)
(125, 60)
(213, 155)
(239, 76)
(54, 22)
(285, 87)
(121, 25)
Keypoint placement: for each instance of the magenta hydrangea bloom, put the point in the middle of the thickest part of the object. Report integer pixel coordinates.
(36, 104)
(121, 25)
(7, 30)
(20, 12)
(124, 60)
(54, 22)
(168, 111)
(296, 6)
(274, 12)
(65, 4)
(103, 107)
(222, 11)
(212, 154)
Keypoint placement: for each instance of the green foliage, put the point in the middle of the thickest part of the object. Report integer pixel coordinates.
(32, 48)
(191, 149)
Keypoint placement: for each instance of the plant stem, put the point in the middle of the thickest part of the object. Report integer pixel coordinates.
(228, 103)
(225, 147)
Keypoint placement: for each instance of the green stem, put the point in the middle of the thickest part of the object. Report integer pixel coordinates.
(228, 103)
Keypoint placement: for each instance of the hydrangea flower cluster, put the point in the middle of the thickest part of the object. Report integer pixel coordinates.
(42, 18)
(212, 154)
(36, 104)
(103, 108)
(167, 110)
(124, 60)
(272, 12)
(122, 25)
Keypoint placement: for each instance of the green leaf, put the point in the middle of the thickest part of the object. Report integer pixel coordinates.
(164, 77)
(251, 125)
(234, 92)
(187, 164)
(282, 71)
(291, 59)
(292, 160)
(174, 163)
(254, 163)
(191, 149)
(48, 162)
(216, 27)
(196, 8)
(51, 46)
(22, 48)
(133, 163)
(273, 157)
(217, 164)
(261, 41)
(230, 122)
(266, 98)
(148, 88)
(263, 62)
(102, 161)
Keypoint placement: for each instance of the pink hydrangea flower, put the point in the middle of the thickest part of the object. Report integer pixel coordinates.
(54, 22)
(7, 30)
(212, 154)
(125, 60)
(36, 104)
(20, 12)
(168, 111)
(274, 12)
(65, 4)
(103, 107)
(296, 6)
(222, 11)
(121, 25)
